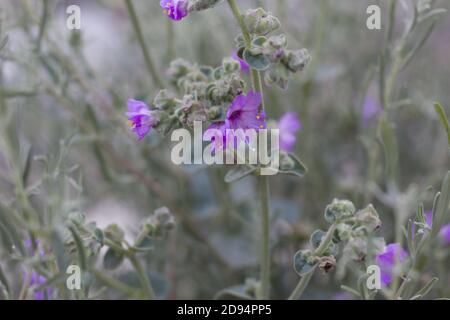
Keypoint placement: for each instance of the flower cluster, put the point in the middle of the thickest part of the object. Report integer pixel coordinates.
(267, 52)
(353, 229)
(209, 95)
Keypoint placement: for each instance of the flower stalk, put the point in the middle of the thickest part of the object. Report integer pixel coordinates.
(263, 182)
(146, 53)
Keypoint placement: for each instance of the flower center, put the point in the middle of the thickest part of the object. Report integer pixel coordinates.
(235, 115)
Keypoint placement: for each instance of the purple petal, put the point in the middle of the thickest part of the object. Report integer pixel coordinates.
(289, 122)
(445, 233)
(244, 65)
(386, 260)
(288, 125)
(135, 106)
(174, 9)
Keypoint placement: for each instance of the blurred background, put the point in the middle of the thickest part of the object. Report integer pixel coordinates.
(67, 147)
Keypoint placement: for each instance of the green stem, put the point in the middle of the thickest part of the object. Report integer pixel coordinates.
(263, 180)
(301, 286)
(304, 281)
(148, 60)
(145, 282)
(238, 16)
(265, 245)
(148, 289)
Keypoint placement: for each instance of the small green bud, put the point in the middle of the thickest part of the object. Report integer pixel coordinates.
(339, 209)
(277, 75)
(297, 60)
(164, 218)
(368, 218)
(274, 48)
(178, 69)
(161, 220)
(165, 100)
(260, 22)
(230, 65)
(214, 113)
(114, 233)
(160, 118)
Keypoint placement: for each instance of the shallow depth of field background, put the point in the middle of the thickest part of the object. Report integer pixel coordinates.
(120, 180)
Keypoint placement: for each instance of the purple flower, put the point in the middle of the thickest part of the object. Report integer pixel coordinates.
(371, 107)
(388, 259)
(243, 113)
(37, 280)
(429, 218)
(140, 118)
(445, 233)
(244, 65)
(288, 125)
(175, 9)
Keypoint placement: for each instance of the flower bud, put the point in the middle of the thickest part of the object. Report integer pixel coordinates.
(164, 218)
(165, 100)
(230, 65)
(114, 232)
(339, 209)
(277, 75)
(327, 263)
(161, 220)
(274, 48)
(190, 111)
(214, 113)
(297, 60)
(178, 69)
(368, 218)
(260, 22)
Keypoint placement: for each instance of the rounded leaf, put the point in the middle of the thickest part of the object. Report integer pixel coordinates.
(258, 62)
(112, 259)
(301, 264)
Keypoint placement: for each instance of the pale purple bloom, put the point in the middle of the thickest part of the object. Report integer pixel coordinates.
(244, 65)
(392, 255)
(175, 9)
(140, 118)
(371, 107)
(37, 280)
(243, 113)
(288, 125)
(429, 218)
(445, 233)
